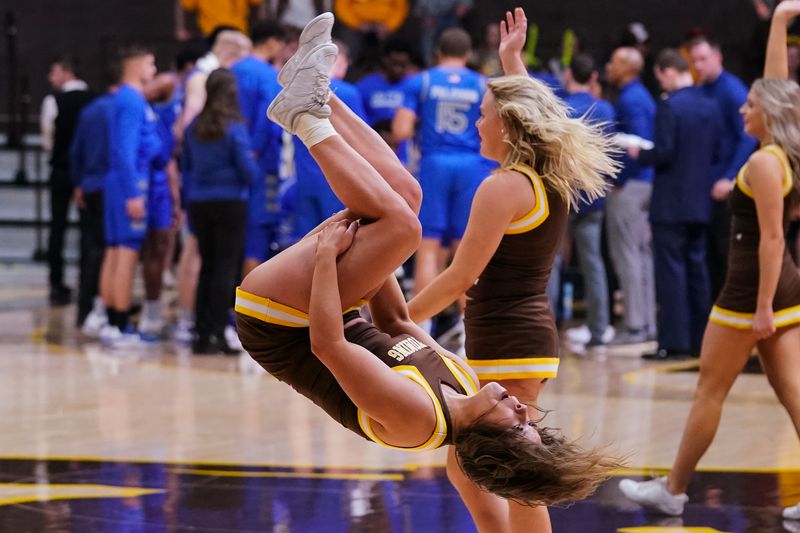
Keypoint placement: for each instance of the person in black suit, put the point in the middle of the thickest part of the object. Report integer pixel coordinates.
(59, 116)
(687, 146)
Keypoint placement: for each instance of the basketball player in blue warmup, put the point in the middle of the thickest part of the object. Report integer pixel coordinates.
(126, 193)
(161, 214)
(88, 168)
(446, 100)
(257, 81)
(315, 201)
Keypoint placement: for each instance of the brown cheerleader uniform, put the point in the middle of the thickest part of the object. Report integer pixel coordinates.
(277, 337)
(510, 330)
(737, 302)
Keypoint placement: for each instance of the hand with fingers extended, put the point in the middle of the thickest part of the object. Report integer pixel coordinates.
(513, 32)
(336, 238)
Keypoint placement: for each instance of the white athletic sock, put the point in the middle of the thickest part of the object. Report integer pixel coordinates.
(99, 306)
(151, 309)
(313, 130)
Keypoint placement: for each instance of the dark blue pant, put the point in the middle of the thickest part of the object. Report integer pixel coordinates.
(683, 292)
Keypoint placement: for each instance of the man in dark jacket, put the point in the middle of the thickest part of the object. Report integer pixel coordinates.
(687, 147)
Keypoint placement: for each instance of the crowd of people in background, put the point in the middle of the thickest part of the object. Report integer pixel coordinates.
(182, 171)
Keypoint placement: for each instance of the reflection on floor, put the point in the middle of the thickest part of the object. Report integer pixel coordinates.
(156, 440)
(90, 496)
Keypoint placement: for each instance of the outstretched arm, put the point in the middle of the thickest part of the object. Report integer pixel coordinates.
(777, 63)
(513, 32)
(489, 217)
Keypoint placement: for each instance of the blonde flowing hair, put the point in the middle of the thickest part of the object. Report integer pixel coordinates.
(571, 155)
(780, 100)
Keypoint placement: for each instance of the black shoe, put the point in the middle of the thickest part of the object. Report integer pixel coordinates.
(60, 295)
(212, 345)
(663, 354)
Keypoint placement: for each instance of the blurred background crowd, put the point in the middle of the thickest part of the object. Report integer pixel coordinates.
(179, 178)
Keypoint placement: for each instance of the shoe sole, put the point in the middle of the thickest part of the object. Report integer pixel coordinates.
(312, 30)
(281, 96)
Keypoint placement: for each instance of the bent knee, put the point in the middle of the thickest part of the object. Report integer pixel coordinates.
(405, 226)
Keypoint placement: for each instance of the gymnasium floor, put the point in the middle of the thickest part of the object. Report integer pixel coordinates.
(159, 441)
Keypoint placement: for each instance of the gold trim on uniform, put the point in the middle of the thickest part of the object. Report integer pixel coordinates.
(778, 152)
(523, 368)
(272, 312)
(439, 433)
(463, 378)
(541, 208)
(736, 320)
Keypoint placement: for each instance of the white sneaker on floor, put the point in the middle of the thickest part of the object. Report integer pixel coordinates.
(792, 513)
(151, 326)
(232, 338)
(655, 495)
(308, 91)
(109, 334)
(133, 338)
(316, 32)
(183, 333)
(93, 323)
(579, 335)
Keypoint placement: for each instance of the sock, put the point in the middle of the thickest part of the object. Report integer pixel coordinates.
(186, 316)
(122, 319)
(99, 306)
(313, 130)
(112, 316)
(151, 309)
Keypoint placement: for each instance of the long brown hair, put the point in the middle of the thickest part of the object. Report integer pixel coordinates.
(502, 461)
(780, 100)
(221, 107)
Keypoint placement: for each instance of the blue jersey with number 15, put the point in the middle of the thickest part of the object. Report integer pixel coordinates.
(447, 102)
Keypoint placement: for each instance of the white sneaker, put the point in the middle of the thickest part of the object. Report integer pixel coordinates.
(183, 332)
(132, 338)
(232, 338)
(308, 91)
(792, 513)
(316, 32)
(151, 326)
(93, 323)
(109, 334)
(579, 335)
(582, 335)
(654, 494)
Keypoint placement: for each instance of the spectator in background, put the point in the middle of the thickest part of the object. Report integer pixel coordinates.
(486, 60)
(298, 13)
(446, 101)
(627, 206)
(218, 155)
(364, 25)
(125, 193)
(314, 199)
(214, 13)
(257, 84)
(688, 129)
(89, 164)
(229, 47)
(58, 118)
(730, 94)
(436, 16)
(382, 92)
(587, 224)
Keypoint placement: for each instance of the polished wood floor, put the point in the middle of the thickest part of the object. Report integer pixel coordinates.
(79, 423)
